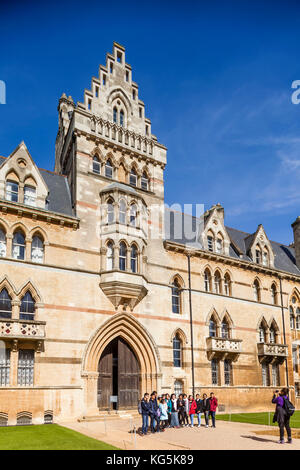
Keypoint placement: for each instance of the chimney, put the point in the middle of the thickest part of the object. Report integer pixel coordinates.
(296, 229)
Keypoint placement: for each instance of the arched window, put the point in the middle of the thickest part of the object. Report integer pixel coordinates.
(272, 335)
(219, 244)
(265, 257)
(256, 290)
(122, 118)
(145, 181)
(37, 249)
(207, 280)
(178, 387)
(225, 329)
(5, 304)
(110, 256)
(227, 284)
(212, 328)
(2, 243)
(258, 256)
(122, 256)
(122, 212)
(175, 296)
(29, 195)
(217, 282)
(96, 165)
(18, 246)
(214, 372)
(274, 294)
(110, 211)
(108, 169)
(134, 259)
(265, 374)
(262, 333)
(115, 115)
(292, 318)
(133, 212)
(298, 318)
(210, 243)
(27, 308)
(133, 177)
(227, 372)
(177, 351)
(12, 191)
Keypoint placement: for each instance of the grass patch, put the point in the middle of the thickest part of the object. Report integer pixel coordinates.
(258, 418)
(47, 437)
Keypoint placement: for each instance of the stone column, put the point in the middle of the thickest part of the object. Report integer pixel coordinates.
(28, 248)
(15, 309)
(9, 246)
(14, 364)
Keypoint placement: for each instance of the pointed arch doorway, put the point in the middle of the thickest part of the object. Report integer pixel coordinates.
(119, 373)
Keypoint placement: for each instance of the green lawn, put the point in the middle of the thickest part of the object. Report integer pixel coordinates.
(258, 418)
(47, 437)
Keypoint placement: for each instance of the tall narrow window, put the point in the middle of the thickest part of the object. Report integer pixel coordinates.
(122, 212)
(219, 245)
(298, 318)
(178, 387)
(274, 294)
(275, 375)
(227, 284)
(207, 281)
(214, 372)
(227, 372)
(108, 169)
(29, 195)
(25, 367)
(27, 308)
(265, 374)
(265, 258)
(37, 249)
(133, 212)
(256, 290)
(134, 259)
(175, 297)
(144, 182)
(110, 256)
(133, 177)
(110, 211)
(4, 366)
(122, 256)
(12, 191)
(217, 283)
(122, 118)
(262, 334)
(258, 256)
(2, 243)
(18, 246)
(292, 318)
(210, 243)
(115, 115)
(96, 165)
(177, 351)
(212, 328)
(225, 329)
(5, 304)
(272, 335)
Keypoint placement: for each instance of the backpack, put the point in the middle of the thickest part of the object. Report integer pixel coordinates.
(288, 407)
(140, 407)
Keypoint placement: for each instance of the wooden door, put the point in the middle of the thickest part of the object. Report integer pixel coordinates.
(128, 376)
(105, 380)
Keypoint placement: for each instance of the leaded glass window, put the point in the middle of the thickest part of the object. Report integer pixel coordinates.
(212, 328)
(110, 212)
(265, 374)
(122, 118)
(133, 211)
(217, 283)
(110, 257)
(2, 243)
(25, 367)
(207, 281)
(134, 259)
(29, 195)
(133, 177)
(227, 284)
(96, 165)
(227, 372)
(115, 115)
(214, 372)
(122, 256)
(4, 366)
(225, 330)
(176, 351)
(122, 212)
(108, 169)
(5, 304)
(144, 181)
(12, 191)
(18, 246)
(27, 308)
(175, 297)
(37, 249)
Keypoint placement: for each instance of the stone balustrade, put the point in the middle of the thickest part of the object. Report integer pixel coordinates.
(223, 348)
(272, 351)
(16, 329)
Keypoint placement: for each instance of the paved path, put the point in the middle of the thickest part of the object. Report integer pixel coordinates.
(231, 436)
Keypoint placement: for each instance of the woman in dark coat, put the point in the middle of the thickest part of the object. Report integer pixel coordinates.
(206, 408)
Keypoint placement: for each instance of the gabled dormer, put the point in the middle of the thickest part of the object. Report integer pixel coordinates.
(215, 237)
(259, 248)
(21, 181)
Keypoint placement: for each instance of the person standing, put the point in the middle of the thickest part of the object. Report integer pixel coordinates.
(206, 407)
(169, 406)
(199, 409)
(153, 413)
(192, 409)
(180, 408)
(185, 410)
(213, 404)
(174, 412)
(163, 407)
(281, 415)
(145, 405)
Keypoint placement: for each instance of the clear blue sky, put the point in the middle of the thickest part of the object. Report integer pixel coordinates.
(215, 78)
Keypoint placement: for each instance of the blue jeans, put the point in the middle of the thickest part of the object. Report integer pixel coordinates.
(192, 419)
(145, 424)
(213, 418)
(199, 418)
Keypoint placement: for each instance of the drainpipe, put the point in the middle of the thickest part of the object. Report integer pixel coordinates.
(284, 337)
(191, 322)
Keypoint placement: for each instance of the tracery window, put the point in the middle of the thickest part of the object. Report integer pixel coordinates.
(96, 165)
(5, 304)
(29, 195)
(176, 297)
(12, 191)
(177, 351)
(25, 367)
(110, 256)
(27, 308)
(122, 256)
(37, 249)
(2, 243)
(18, 246)
(134, 259)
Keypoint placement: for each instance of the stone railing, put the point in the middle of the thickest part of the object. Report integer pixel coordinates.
(269, 350)
(22, 329)
(223, 348)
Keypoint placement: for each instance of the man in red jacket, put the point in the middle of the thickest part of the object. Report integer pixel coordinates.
(213, 404)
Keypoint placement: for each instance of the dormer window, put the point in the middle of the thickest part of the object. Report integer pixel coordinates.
(133, 177)
(265, 258)
(258, 256)
(12, 191)
(210, 243)
(29, 195)
(219, 245)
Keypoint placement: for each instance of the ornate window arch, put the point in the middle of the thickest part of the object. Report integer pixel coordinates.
(207, 280)
(37, 248)
(217, 282)
(18, 245)
(256, 290)
(5, 304)
(273, 332)
(220, 243)
(294, 310)
(122, 256)
(12, 187)
(177, 350)
(176, 295)
(227, 284)
(134, 258)
(263, 331)
(27, 308)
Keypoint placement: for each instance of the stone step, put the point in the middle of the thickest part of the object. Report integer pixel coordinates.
(107, 416)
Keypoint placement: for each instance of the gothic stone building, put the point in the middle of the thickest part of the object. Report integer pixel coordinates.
(98, 303)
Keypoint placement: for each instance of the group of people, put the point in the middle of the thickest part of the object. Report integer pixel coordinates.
(167, 411)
